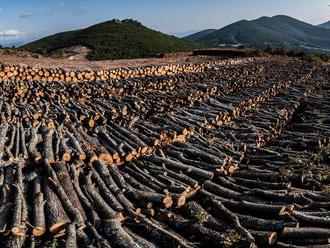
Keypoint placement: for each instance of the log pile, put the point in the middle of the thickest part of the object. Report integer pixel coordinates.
(23, 72)
(236, 156)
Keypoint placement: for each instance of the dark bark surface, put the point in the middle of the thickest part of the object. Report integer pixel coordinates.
(236, 156)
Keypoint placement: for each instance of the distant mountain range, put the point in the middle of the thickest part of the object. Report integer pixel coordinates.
(15, 43)
(200, 35)
(116, 39)
(325, 25)
(123, 39)
(184, 34)
(277, 30)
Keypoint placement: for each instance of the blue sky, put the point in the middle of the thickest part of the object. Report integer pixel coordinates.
(31, 19)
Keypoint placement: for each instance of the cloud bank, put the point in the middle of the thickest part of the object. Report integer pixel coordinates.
(10, 34)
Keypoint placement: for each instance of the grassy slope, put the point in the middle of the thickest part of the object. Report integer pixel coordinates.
(114, 40)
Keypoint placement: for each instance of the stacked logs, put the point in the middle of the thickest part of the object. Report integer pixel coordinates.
(225, 158)
(23, 73)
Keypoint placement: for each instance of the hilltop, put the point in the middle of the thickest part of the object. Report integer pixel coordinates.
(114, 39)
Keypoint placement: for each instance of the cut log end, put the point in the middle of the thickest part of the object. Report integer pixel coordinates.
(129, 157)
(272, 238)
(81, 156)
(38, 231)
(115, 156)
(168, 202)
(66, 157)
(58, 227)
(231, 169)
(120, 217)
(181, 200)
(106, 158)
(15, 231)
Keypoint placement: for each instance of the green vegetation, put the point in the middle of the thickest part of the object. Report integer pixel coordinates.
(278, 30)
(114, 40)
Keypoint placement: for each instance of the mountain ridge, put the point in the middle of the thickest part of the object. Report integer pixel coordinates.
(115, 39)
(279, 29)
(325, 25)
(199, 34)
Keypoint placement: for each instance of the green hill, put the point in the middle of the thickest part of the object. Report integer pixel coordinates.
(114, 40)
(279, 30)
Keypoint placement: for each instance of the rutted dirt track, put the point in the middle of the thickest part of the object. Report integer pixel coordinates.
(234, 156)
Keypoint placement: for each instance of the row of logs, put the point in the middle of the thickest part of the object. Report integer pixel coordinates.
(22, 73)
(191, 176)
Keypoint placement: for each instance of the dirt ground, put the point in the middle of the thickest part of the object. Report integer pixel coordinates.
(10, 57)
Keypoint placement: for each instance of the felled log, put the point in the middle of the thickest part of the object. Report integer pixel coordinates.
(18, 224)
(72, 211)
(3, 136)
(104, 209)
(48, 152)
(71, 239)
(34, 140)
(6, 198)
(56, 215)
(66, 182)
(234, 220)
(39, 218)
(305, 232)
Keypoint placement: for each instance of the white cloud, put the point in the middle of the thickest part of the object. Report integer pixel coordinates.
(10, 34)
(26, 15)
